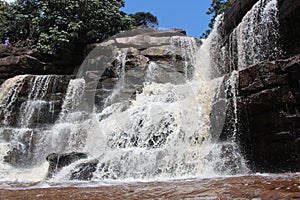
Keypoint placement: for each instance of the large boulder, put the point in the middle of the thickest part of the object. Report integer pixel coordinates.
(21, 64)
(58, 161)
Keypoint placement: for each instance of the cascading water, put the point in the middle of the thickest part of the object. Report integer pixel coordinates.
(150, 138)
(28, 106)
(36, 100)
(120, 65)
(188, 48)
(165, 131)
(73, 98)
(25, 97)
(9, 94)
(254, 40)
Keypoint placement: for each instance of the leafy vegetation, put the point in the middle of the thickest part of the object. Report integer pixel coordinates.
(216, 8)
(3, 19)
(145, 19)
(65, 27)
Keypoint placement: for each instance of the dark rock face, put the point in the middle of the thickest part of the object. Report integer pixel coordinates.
(268, 115)
(17, 61)
(58, 161)
(289, 17)
(234, 15)
(84, 171)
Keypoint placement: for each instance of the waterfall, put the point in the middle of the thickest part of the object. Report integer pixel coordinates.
(29, 106)
(24, 98)
(32, 107)
(120, 85)
(255, 39)
(164, 131)
(257, 36)
(160, 128)
(9, 93)
(151, 137)
(74, 96)
(232, 90)
(188, 47)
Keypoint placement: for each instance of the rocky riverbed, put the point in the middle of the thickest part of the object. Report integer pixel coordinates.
(280, 186)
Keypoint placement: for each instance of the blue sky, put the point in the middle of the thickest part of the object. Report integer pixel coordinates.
(187, 14)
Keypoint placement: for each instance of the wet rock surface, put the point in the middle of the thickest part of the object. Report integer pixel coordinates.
(289, 16)
(269, 109)
(272, 187)
(50, 92)
(263, 102)
(268, 115)
(84, 171)
(58, 161)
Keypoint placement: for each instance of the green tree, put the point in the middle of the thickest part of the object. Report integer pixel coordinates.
(145, 19)
(216, 8)
(66, 26)
(3, 20)
(22, 16)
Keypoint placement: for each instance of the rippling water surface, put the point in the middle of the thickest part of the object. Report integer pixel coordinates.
(255, 187)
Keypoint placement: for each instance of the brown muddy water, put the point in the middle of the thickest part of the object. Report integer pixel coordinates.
(255, 187)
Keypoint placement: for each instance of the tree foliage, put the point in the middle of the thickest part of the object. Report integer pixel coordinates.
(145, 19)
(67, 26)
(216, 8)
(3, 19)
(63, 26)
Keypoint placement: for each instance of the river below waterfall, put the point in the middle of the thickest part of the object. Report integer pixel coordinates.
(260, 186)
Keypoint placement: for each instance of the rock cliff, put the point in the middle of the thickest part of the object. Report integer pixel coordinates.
(268, 103)
(130, 56)
(265, 117)
(268, 120)
(19, 61)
